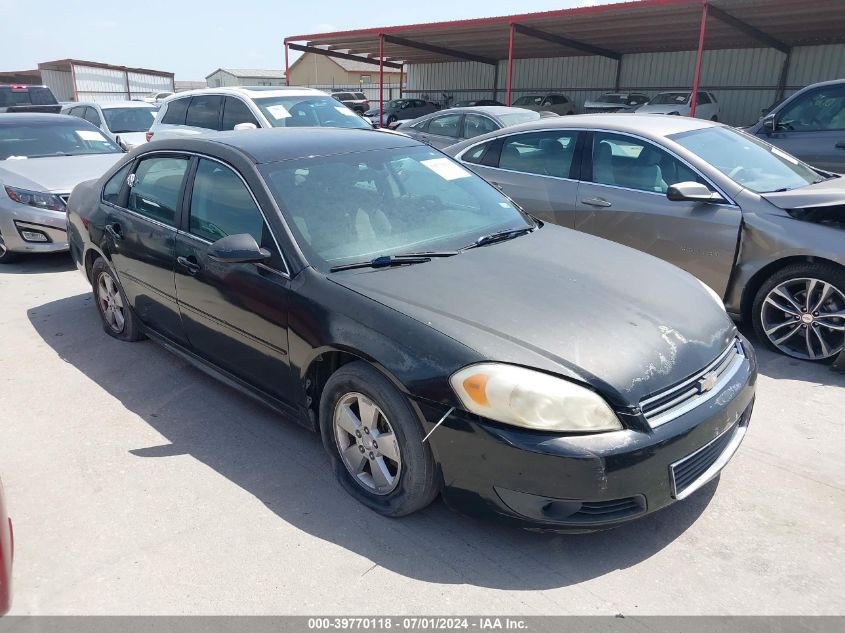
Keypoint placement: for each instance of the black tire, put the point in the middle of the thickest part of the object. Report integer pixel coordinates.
(8, 257)
(829, 273)
(714, 118)
(417, 479)
(392, 119)
(131, 327)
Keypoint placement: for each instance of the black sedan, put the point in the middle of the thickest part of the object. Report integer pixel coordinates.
(439, 339)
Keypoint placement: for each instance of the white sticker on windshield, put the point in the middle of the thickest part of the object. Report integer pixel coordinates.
(90, 135)
(784, 155)
(446, 169)
(345, 110)
(278, 111)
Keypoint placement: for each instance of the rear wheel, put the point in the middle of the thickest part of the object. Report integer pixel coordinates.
(392, 119)
(800, 311)
(116, 314)
(714, 118)
(374, 440)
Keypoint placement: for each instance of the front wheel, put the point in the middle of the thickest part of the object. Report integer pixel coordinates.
(800, 311)
(7, 256)
(374, 441)
(116, 314)
(392, 119)
(714, 118)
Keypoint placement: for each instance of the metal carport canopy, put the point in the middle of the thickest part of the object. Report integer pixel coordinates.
(611, 30)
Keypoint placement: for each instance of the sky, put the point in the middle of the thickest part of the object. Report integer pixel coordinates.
(193, 38)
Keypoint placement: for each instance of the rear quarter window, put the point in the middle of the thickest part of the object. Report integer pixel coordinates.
(176, 111)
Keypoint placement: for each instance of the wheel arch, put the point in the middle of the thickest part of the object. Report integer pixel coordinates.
(761, 275)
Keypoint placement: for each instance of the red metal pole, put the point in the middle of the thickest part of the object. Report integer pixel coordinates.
(380, 79)
(510, 61)
(287, 66)
(697, 78)
(401, 79)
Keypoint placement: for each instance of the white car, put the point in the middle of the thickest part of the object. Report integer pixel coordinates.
(124, 122)
(215, 109)
(158, 97)
(678, 102)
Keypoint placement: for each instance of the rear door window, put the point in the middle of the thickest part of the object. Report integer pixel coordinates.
(544, 153)
(176, 111)
(447, 125)
(204, 112)
(476, 125)
(91, 116)
(236, 111)
(157, 186)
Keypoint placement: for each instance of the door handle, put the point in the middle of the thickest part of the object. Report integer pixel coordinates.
(189, 263)
(597, 202)
(840, 145)
(115, 231)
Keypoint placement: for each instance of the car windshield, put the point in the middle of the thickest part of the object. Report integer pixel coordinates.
(355, 207)
(748, 161)
(515, 118)
(308, 111)
(610, 97)
(670, 98)
(33, 140)
(123, 120)
(529, 100)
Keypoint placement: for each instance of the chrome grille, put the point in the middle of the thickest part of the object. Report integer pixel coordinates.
(667, 405)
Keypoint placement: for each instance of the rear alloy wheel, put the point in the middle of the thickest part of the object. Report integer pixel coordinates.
(800, 311)
(374, 440)
(118, 319)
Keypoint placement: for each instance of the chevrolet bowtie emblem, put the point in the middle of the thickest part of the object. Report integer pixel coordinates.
(707, 383)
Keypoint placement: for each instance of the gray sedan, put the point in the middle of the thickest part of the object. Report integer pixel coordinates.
(764, 230)
(445, 128)
(42, 158)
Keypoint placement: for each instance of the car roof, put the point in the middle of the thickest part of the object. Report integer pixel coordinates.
(25, 118)
(278, 144)
(250, 91)
(648, 125)
(106, 105)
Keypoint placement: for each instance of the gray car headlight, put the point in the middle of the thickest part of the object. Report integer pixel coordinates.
(37, 199)
(531, 399)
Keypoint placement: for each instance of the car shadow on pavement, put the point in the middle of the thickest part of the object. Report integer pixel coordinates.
(39, 264)
(285, 467)
(780, 366)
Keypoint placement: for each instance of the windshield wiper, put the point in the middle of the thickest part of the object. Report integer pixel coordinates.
(499, 236)
(385, 261)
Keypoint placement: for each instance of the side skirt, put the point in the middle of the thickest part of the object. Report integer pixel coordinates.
(296, 414)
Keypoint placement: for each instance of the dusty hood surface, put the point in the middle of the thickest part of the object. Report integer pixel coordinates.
(566, 302)
(59, 174)
(827, 193)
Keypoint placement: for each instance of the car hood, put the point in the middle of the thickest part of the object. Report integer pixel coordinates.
(564, 302)
(58, 174)
(827, 193)
(663, 108)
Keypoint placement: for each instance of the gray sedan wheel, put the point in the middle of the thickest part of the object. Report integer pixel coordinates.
(7, 256)
(800, 311)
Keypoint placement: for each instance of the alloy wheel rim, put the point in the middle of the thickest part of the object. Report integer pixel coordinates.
(2, 247)
(805, 318)
(367, 444)
(111, 303)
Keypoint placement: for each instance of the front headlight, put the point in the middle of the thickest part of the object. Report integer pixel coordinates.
(37, 199)
(713, 294)
(531, 399)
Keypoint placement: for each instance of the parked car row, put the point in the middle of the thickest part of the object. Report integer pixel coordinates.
(434, 316)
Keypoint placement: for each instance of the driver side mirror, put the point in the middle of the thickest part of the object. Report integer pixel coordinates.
(245, 126)
(237, 249)
(769, 124)
(692, 192)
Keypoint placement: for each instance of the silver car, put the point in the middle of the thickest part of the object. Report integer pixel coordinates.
(124, 122)
(42, 158)
(764, 230)
(447, 127)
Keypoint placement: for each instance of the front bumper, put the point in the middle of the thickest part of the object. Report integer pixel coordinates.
(18, 219)
(588, 482)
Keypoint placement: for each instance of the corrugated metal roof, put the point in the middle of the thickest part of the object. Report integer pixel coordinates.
(65, 65)
(252, 72)
(623, 28)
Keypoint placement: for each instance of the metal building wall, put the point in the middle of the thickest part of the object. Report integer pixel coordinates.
(60, 82)
(143, 84)
(99, 84)
(743, 80)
